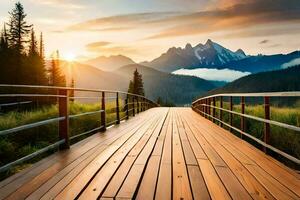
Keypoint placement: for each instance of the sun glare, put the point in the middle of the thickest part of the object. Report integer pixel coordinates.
(70, 57)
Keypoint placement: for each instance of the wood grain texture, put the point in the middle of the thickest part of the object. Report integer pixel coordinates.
(163, 153)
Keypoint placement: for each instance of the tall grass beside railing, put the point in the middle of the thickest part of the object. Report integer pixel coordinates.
(281, 138)
(25, 142)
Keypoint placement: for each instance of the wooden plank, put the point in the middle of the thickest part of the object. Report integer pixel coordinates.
(47, 174)
(214, 184)
(285, 171)
(164, 182)
(198, 185)
(259, 160)
(117, 180)
(197, 182)
(197, 149)
(69, 172)
(189, 156)
(161, 138)
(131, 182)
(22, 181)
(69, 177)
(212, 155)
(254, 188)
(278, 190)
(129, 187)
(78, 183)
(232, 184)
(148, 183)
(272, 168)
(119, 177)
(96, 186)
(181, 185)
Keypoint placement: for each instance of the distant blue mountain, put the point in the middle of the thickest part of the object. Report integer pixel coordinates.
(261, 63)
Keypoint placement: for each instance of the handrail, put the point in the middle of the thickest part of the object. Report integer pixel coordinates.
(262, 94)
(133, 102)
(207, 107)
(69, 88)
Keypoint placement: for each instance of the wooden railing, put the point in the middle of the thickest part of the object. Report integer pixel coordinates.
(207, 107)
(63, 95)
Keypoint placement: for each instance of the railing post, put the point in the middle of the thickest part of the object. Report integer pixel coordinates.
(209, 110)
(117, 108)
(133, 106)
(267, 125)
(126, 107)
(231, 115)
(103, 113)
(221, 111)
(63, 107)
(206, 108)
(214, 109)
(138, 105)
(242, 117)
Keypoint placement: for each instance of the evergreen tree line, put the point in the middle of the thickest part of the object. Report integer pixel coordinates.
(22, 57)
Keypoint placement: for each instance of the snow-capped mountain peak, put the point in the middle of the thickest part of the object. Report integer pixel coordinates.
(211, 54)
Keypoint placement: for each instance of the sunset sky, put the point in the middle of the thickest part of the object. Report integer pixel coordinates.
(143, 29)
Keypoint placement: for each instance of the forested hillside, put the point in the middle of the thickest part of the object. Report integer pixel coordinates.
(273, 81)
(172, 88)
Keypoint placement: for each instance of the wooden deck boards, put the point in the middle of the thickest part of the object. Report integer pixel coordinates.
(160, 154)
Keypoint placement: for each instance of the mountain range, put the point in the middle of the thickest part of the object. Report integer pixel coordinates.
(115, 72)
(214, 56)
(209, 55)
(177, 89)
(110, 63)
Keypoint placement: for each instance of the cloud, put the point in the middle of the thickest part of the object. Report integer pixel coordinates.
(213, 74)
(237, 16)
(108, 48)
(226, 15)
(121, 22)
(96, 45)
(264, 41)
(291, 63)
(262, 30)
(65, 4)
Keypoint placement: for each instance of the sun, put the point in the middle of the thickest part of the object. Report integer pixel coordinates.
(70, 57)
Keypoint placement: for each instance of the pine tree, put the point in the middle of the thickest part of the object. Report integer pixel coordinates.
(130, 88)
(18, 29)
(136, 86)
(3, 40)
(56, 78)
(6, 61)
(17, 39)
(42, 46)
(33, 44)
(35, 63)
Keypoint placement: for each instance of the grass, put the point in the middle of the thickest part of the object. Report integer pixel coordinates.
(280, 138)
(25, 142)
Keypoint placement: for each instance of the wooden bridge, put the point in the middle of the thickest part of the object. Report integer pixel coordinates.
(162, 153)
